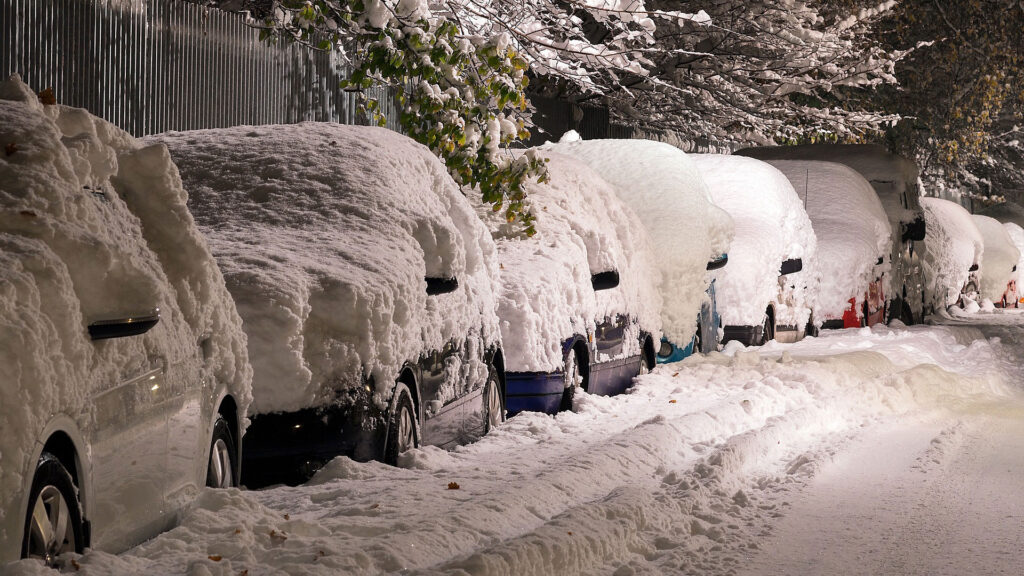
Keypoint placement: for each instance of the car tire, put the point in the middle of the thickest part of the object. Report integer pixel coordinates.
(53, 506)
(698, 340)
(573, 380)
(221, 469)
(767, 330)
(646, 357)
(403, 434)
(494, 402)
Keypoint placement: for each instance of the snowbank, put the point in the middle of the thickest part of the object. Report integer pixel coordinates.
(325, 234)
(771, 226)
(93, 226)
(999, 257)
(851, 227)
(546, 293)
(954, 246)
(663, 186)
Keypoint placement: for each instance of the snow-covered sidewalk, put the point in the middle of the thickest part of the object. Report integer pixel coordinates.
(753, 461)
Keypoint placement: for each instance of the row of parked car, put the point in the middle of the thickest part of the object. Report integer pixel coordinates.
(329, 290)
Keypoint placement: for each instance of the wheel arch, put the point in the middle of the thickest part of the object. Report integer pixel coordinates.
(65, 441)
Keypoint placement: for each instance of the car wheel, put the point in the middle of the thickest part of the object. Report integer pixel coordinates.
(698, 340)
(573, 380)
(220, 473)
(646, 359)
(53, 524)
(402, 434)
(768, 330)
(494, 402)
(906, 316)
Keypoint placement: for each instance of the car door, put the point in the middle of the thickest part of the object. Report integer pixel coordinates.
(441, 414)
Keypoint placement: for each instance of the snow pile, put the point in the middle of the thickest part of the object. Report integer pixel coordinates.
(325, 234)
(850, 225)
(663, 186)
(546, 293)
(999, 257)
(93, 226)
(771, 226)
(954, 246)
(893, 177)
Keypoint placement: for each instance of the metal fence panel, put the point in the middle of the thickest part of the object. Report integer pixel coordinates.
(151, 66)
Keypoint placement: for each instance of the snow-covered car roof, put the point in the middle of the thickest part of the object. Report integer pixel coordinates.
(850, 224)
(546, 292)
(663, 186)
(954, 246)
(998, 259)
(891, 175)
(771, 226)
(94, 224)
(325, 234)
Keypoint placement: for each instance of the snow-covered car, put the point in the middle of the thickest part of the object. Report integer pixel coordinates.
(894, 179)
(762, 293)
(124, 377)
(954, 254)
(853, 241)
(661, 184)
(1013, 295)
(578, 303)
(365, 281)
(999, 261)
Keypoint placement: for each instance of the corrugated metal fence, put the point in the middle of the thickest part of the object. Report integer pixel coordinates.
(150, 66)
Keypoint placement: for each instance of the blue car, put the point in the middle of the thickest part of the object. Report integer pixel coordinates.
(706, 338)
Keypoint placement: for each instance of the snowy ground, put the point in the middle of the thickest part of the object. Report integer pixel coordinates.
(870, 451)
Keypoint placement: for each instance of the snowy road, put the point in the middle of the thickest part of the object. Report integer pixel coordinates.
(883, 451)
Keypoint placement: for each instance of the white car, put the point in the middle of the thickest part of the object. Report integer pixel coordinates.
(764, 293)
(954, 255)
(999, 261)
(663, 186)
(365, 281)
(853, 241)
(578, 302)
(124, 377)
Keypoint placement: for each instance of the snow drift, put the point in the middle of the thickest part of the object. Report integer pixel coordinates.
(546, 293)
(94, 226)
(771, 226)
(999, 257)
(325, 234)
(663, 186)
(954, 246)
(850, 225)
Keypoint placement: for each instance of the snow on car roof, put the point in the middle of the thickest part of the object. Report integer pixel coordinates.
(998, 259)
(93, 226)
(890, 174)
(546, 295)
(954, 245)
(663, 186)
(850, 225)
(325, 234)
(771, 226)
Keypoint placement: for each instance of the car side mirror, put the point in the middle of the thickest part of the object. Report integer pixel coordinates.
(605, 280)
(122, 327)
(881, 260)
(719, 262)
(437, 286)
(790, 266)
(914, 230)
(973, 268)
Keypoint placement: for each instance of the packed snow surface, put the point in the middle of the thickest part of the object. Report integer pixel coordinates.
(707, 466)
(663, 186)
(851, 228)
(93, 226)
(325, 234)
(954, 246)
(771, 226)
(546, 294)
(998, 259)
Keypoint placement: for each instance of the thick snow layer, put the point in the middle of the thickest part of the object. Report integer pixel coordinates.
(892, 176)
(663, 186)
(325, 234)
(1017, 236)
(999, 257)
(546, 294)
(850, 225)
(689, 473)
(93, 226)
(954, 246)
(771, 226)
